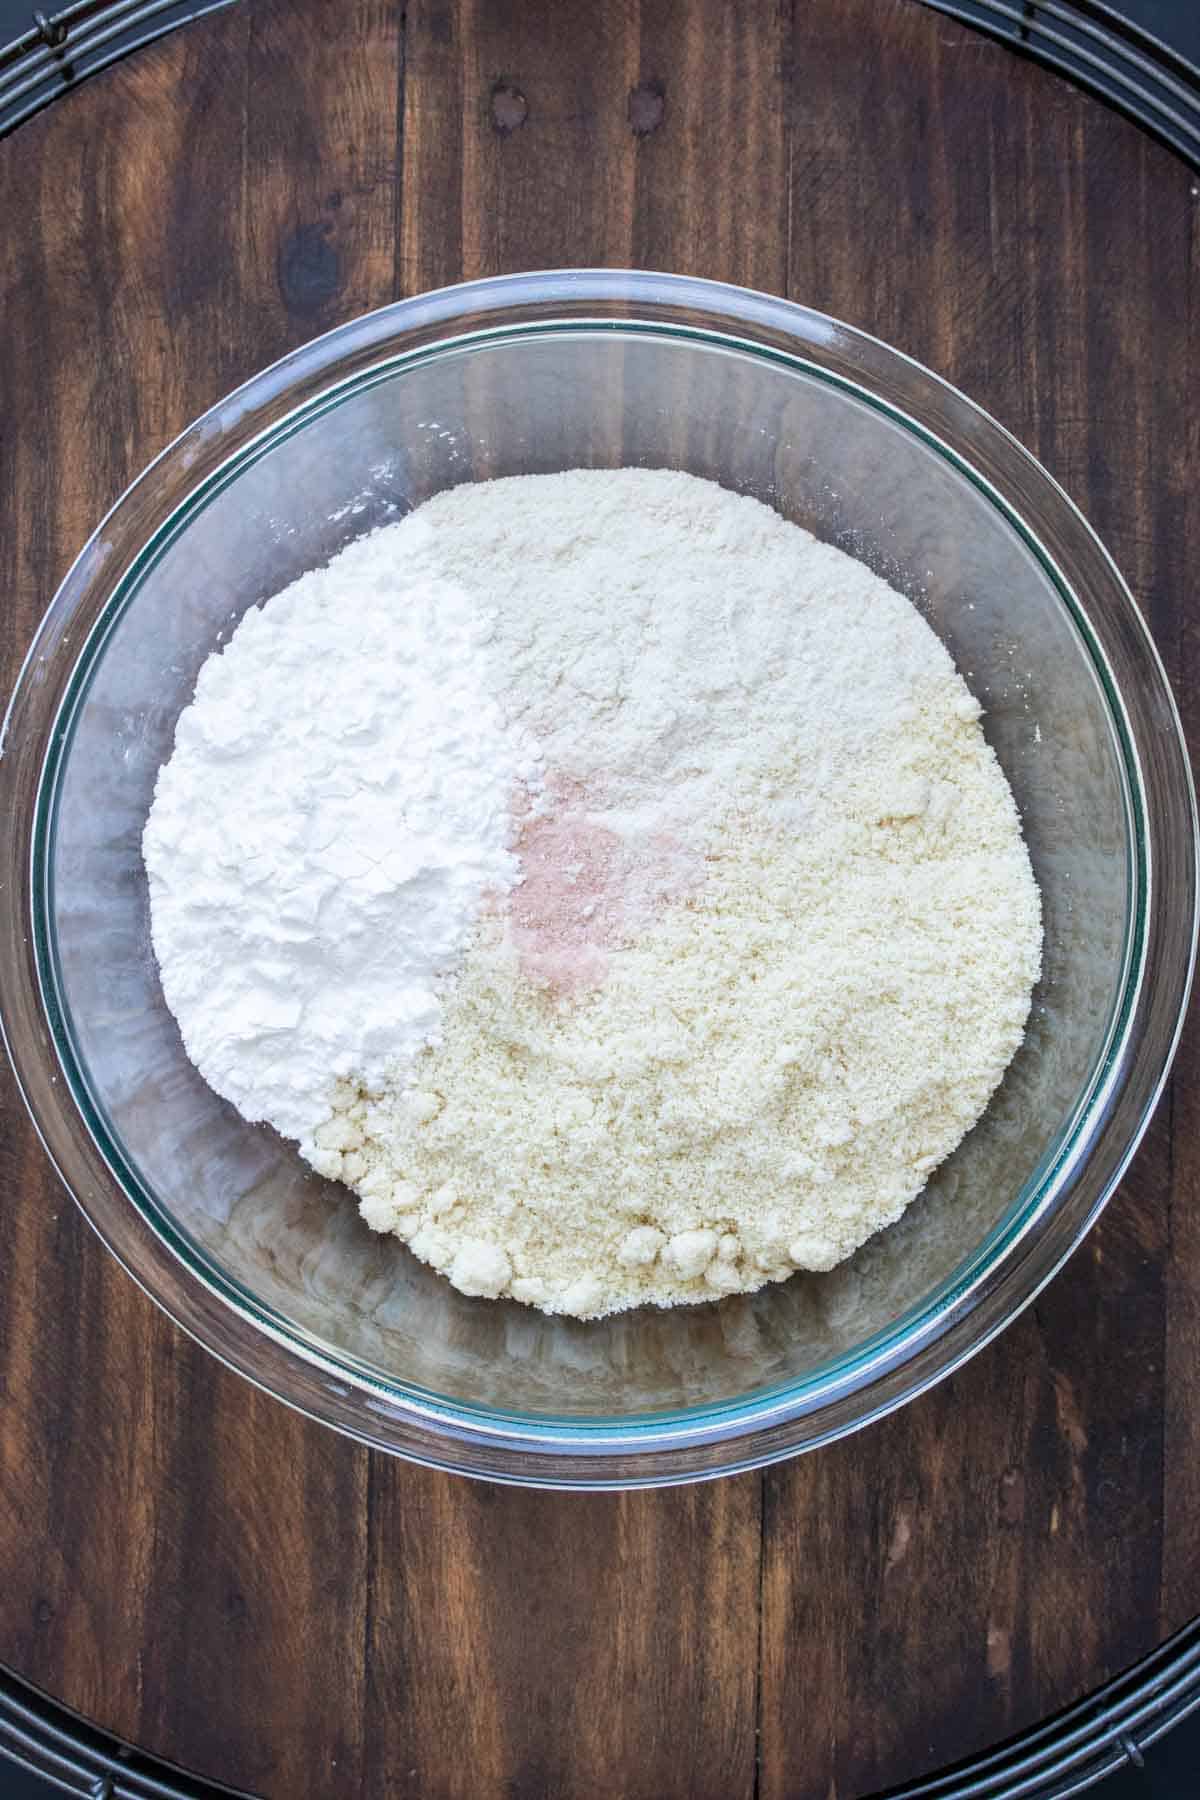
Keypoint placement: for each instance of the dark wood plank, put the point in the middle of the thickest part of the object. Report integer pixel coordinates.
(709, 115)
(976, 1561)
(182, 1559)
(517, 150)
(536, 1644)
(317, 211)
(1028, 1491)
(545, 136)
(1181, 1537)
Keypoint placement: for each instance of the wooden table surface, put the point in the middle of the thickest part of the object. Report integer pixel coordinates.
(191, 1565)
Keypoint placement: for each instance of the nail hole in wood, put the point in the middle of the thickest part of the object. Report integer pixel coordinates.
(647, 107)
(510, 109)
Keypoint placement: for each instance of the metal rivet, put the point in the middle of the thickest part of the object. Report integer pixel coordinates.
(1131, 1750)
(52, 32)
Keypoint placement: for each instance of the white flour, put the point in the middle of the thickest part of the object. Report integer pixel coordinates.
(335, 807)
(704, 1006)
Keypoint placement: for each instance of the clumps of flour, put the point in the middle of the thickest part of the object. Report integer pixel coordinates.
(688, 925)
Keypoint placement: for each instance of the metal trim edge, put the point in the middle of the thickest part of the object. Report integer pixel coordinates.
(1098, 49)
(61, 49)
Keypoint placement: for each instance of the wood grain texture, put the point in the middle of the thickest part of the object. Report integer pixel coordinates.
(186, 1560)
(182, 1559)
(537, 1671)
(912, 216)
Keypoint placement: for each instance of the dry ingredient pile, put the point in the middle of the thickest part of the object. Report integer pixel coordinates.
(608, 881)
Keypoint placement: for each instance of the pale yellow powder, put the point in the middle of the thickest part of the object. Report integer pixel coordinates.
(766, 1076)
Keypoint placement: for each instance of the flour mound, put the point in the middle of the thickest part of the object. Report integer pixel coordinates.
(608, 881)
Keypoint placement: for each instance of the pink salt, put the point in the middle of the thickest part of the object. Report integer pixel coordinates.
(584, 891)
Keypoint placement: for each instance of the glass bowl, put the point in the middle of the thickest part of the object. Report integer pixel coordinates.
(269, 1266)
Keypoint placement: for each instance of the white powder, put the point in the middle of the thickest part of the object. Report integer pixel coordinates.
(717, 997)
(334, 809)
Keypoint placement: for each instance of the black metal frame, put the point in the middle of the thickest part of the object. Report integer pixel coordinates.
(61, 49)
(1108, 1731)
(1090, 42)
(44, 1738)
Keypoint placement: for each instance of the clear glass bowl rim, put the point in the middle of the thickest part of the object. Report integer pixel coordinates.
(1044, 1223)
